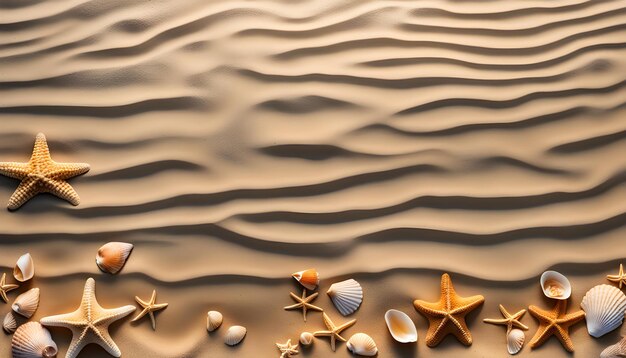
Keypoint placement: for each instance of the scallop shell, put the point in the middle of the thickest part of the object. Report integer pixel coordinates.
(346, 296)
(307, 278)
(555, 285)
(362, 344)
(26, 304)
(401, 326)
(32, 340)
(9, 324)
(214, 320)
(604, 308)
(515, 340)
(24, 269)
(306, 338)
(112, 256)
(615, 351)
(234, 335)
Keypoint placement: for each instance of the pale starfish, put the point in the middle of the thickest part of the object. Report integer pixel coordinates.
(510, 320)
(447, 316)
(334, 332)
(4, 287)
(555, 322)
(304, 303)
(89, 323)
(287, 349)
(620, 278)
(149, 308)
(42, 175)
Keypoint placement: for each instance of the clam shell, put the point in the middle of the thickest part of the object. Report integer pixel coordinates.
(9, 324)
(112, 256)
(234, 335)
(24, 269)
(401, 326)
(307, 278)
(555, 285)
(617, 350)
(26, 304)
(346, 296)
(604, 308)
(306, 338)
(515, 340)
(362, 344)
(32, 340)
(214, 320)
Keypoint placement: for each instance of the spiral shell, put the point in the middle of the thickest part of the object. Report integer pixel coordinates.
(112, 256)
(214, 320)
(9, 323)
(401, 326)
(617, 350)
(604, 308)
(555, 285)
(24, 269)
(515, 340)
(306, 338)
(307, 278)
(346, 296)
(32, 340)
(26, 304)
(362, 344)
(234, 335)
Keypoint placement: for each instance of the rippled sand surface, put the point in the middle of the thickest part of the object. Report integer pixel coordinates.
(235, 142)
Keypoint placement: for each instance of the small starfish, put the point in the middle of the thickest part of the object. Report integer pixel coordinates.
(555, 322)
(149, 308)
(4, 287)
(287, 349)
(510, 320)
(304, 303)
(620, 278)
(334, 332)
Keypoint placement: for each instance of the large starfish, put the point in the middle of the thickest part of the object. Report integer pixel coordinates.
(554, 322)
(4, 287)
(447, 316)
(287, 349)
(334, 332)
(303, 303)
(90, 323)
(620, 278)
(149, 308)
(510, 320)
(42, 175)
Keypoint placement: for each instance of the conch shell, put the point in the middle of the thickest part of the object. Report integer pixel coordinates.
(234, 335)
(112, 256)
(401, 326)
(26, 304)
(24, 268)
(362, 344)
(307, 278)
(32, 340)
(214, 320)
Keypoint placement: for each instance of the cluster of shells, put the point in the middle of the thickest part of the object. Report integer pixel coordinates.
(234, 334)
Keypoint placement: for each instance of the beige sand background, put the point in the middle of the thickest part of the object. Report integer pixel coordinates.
(234, 142)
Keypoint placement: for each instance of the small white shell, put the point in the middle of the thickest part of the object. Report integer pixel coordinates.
(9, 324)
(604, 307)
(346, 296)
(26, 304)
(32, 340)
(214, 320)
(401, 326)
(307, 278)
(555, 285)
(24, 269)
(112, 256)
(234, 335)
(306, 338)
(362, 344)
(515, 340)
(617, 350)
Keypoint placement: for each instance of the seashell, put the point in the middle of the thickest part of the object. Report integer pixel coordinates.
(214, 320)
(234, 335)
(617, 350)
(306, 338)
(401, 326)
(515, 340)
(32, 340)
(24, 268)
(307, 278)
(604, 308)
(9, 324)
(362, 344)
(112, 256)
(346, 296)
(555, 285)
(26, 304)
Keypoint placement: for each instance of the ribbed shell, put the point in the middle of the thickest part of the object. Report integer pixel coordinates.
(346, 296)
(401, 326)
(112, 256)
(604, 308)
(32, 340)
(362, 344)
(617, 350)
(515, 340)
(234, 335)
(9, 323)
(24, 269)
(307, 278)
(214, 320)
(26, 304)
(306, 338)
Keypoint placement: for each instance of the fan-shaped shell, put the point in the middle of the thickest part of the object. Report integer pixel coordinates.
(362, 344)
(515, 340)
(604, 308)
(214, 320)
(112, 256)
(401, 326)
(32, 340)
(346, 296)
(306, 338)
(555, 285)
(234, 335)
(26, 304)
(9, 323)
(307, 278)
(24, 269)
(617, 350)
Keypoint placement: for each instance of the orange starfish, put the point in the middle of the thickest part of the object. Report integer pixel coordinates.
(554, 322)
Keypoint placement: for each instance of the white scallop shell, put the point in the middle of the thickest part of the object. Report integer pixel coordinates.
(306, 338)
(26, 304)
(401, 326)
(9, 323)
(362, 344)
(307, 278)
(214, 320)
(346, 296)
(617, 350)
(234, 335)
(32, 340)
(515, 340)
(555, 285)
(24, 269)
(604, 307)
(112, 256)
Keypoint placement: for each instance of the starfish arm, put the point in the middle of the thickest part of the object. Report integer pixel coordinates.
(294, 306)
(540, 336)
(67, 320)
(345, 325)
(41, 152)
(114, 314)
(461, 331)
(433, 337)
(314, 307)
(107, 343)
(14, 170)
(428, 308)
(520, 325)
(152, 320)
(64, 171)
(311, 298)
(64, 190)
(159, 306)
(333, 343)
(153, 297)
(140, 315)
(3, 294)
(322, 333)
(27, 189)
(467, 304)
(141, 302)
(502, 321)
(563, 336)
(78, 343)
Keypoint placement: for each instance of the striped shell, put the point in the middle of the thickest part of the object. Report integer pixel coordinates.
(214, 320)
(515, 340)
(234, 335)
(26, 304)
(362, 344)
(306, 338)
(616, 350)
(112, 256)
(32, 340)
(401, 326)
(346, 296)
(24, 269)
(604, 308)
(9, 323)
(307, 278)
